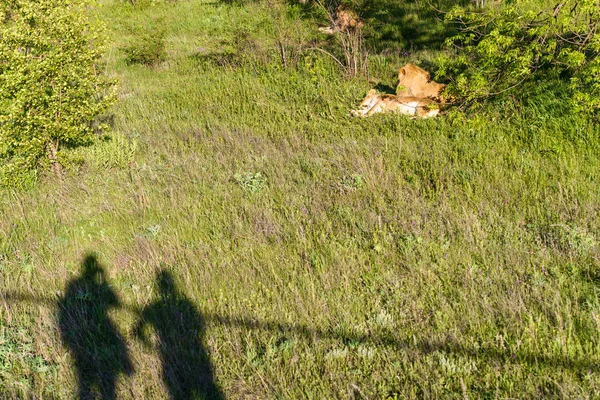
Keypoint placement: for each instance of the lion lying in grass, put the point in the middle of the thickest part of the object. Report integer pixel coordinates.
(343, 20)
(417, 95)
(416, 82)
(378, 103)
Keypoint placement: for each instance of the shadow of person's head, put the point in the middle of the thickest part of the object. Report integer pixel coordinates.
(90, 269)
(166, 283)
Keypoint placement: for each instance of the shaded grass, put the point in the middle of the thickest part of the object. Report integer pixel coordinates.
(380, 258)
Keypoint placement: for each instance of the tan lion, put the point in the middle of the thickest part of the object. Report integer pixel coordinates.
(343, 20)
(416, 82)
(377, 103)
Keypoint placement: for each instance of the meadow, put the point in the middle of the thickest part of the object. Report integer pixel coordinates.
(318, 255)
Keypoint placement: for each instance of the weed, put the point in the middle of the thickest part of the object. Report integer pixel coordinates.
(577, 239)
(351, 183)
(348, 29)
(252, 182)
(153, 231)
(114, 151)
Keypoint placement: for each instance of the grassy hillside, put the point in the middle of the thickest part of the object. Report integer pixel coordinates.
(314, 255)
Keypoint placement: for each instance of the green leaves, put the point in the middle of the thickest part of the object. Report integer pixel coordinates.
(250, 181)
(505, 46)
(50, 88)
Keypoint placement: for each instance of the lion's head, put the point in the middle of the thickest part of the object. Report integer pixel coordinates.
(416, 82)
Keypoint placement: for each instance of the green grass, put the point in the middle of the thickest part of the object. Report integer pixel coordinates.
(330, 257)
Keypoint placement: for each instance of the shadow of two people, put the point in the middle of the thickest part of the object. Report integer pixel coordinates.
(99, 350)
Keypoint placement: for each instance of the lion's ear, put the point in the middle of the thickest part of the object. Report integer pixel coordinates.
(372, 92)
(402, 72)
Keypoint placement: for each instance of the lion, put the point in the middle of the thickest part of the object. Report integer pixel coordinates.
(416, 82)
(344, 20)
(377, 103)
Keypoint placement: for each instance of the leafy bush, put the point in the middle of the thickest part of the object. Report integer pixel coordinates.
(51, 90)
(502, 47)
(148, 50)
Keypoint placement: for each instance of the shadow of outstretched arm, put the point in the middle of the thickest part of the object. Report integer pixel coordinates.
(345, 336)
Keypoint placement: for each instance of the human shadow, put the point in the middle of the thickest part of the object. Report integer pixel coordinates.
(98, 349)
(392, 341)
(186, 368)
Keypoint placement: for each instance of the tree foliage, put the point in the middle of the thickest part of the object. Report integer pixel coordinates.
(503, 46)
(51, 89)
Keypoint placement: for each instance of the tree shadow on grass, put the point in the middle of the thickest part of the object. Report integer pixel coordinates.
(186, 368)
(383, 88)
(99, 352)
(399, 26)
(392, 26)
(425, 346)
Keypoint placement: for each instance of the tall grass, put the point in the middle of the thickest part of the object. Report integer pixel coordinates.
(329, 257)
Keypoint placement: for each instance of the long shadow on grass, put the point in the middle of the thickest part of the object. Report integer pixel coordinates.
(180, 328)
(98, 350)
(425, 346)
(186, 367)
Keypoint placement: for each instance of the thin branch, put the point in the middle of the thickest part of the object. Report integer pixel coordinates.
(329, 54)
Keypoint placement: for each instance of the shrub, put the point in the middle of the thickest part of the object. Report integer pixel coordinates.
(347, 27)
(51, 90)
(148, 49)
(291, 36)
(502, 47)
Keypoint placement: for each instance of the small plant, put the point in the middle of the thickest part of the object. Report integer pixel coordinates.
(152, 231)
(576, 239)
(290, 36)
(352, 183)
(148, 49)
(251, 182)
(116, 151)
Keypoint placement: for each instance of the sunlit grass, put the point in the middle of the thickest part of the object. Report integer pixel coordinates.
(330, 257)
